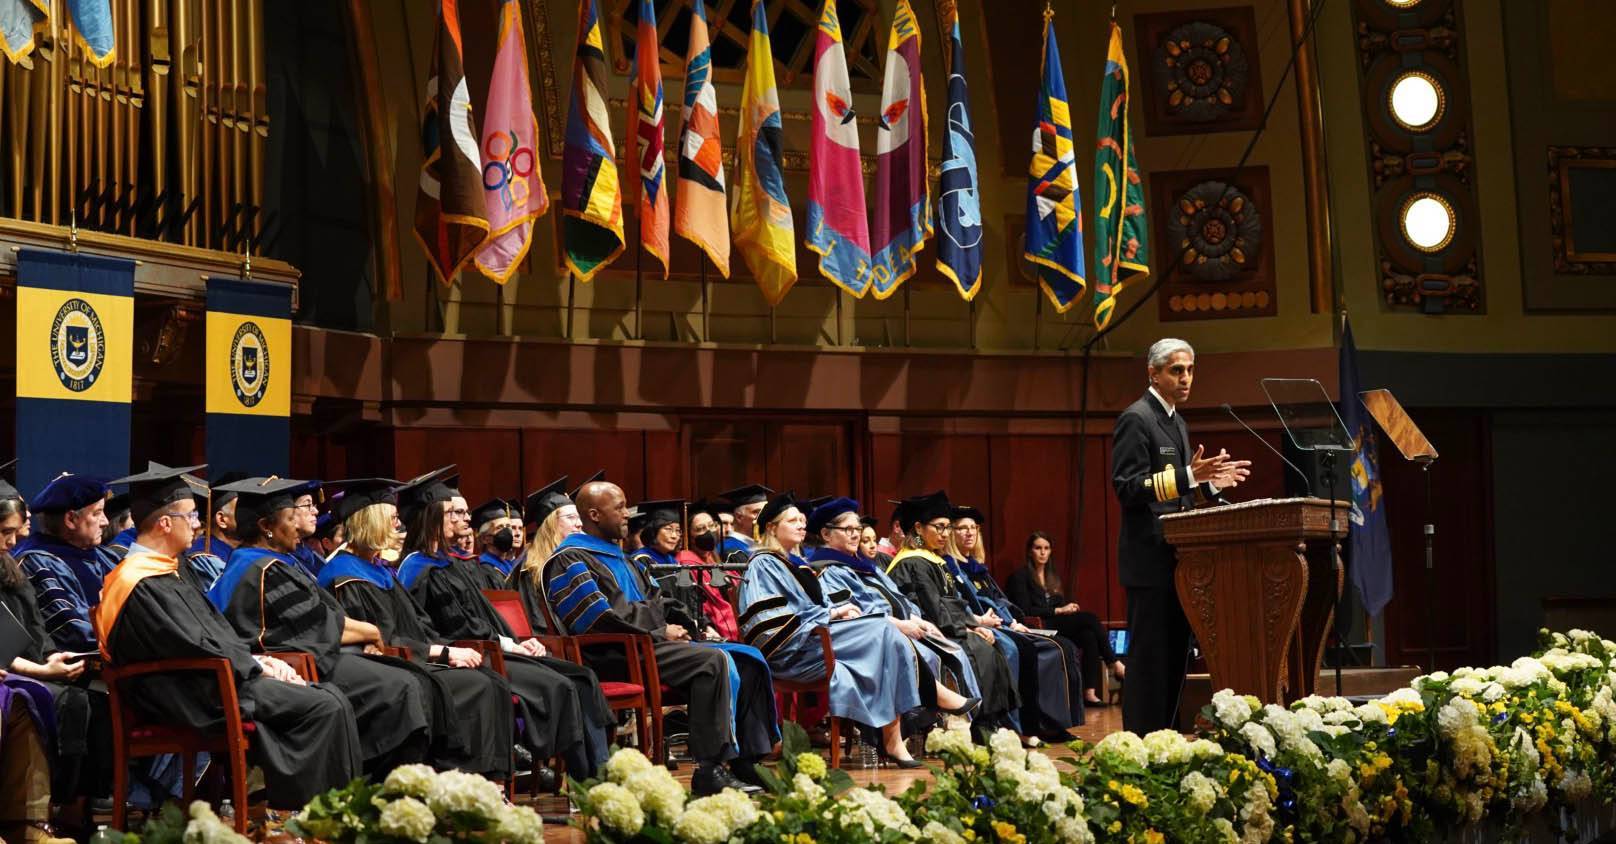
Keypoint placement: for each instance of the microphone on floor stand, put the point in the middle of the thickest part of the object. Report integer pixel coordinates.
(1307, 483)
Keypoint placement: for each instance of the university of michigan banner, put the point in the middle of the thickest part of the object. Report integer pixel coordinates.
(75, 359)
(249, 377)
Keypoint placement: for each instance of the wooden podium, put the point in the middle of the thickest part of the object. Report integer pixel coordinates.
(1259, 582)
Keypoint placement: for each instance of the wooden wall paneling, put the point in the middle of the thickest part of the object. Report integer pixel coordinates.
(549, 453)
(664, 465)
(916, 462)
(725, 454)
(1463, 601)
(1032, 489)
(811, 458)
(487, 458)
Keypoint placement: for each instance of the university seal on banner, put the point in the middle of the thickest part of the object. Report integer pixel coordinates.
(78, 345)
(249, 364)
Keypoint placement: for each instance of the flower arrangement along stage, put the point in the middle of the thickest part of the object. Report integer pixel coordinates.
(1506, 747)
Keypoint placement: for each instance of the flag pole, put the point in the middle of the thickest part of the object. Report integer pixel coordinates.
(1037, 316)
(772, 341)
(572, 291)
(704, 333)
(971, 318)
(906, 316)
(639, 256)
(838, 316)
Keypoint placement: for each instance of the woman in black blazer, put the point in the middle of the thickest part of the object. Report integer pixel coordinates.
(1036, 589)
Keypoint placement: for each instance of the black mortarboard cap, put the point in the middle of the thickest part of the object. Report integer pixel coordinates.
(827, 511)
(118, 504)
(868, 521)
(749, 494)
(68, 492)
(6, 489)
(711, 506)
(423, 490)
(967, 512)
(496, 508)
(545, 500)
(777, 505)
(221, 495)
(924, 508)
(598, 476)
(156, 488)
(355, 494)
(260, 498)
(652, 515)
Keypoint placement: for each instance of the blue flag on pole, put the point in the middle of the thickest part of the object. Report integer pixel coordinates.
(959, 206)
(1369, 546)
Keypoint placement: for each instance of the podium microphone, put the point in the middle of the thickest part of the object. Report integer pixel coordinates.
(1307, 483)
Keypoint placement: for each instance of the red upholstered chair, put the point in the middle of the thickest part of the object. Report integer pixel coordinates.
(791, 693)
(134, 736)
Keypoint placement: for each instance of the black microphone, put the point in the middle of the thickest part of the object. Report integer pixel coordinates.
(1307, 483)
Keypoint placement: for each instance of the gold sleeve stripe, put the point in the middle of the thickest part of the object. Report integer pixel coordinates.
(1165, 484)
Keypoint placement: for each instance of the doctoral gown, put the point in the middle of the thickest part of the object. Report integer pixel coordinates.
(924, 580)
(569, 716)
(876, 678)
(869, 589)
(306, 740)
(1049, 664)
(67, 586)
(80, 746)
(494, 570)
(268, 598)
(474, 716)
(728, 687)
(705, 605)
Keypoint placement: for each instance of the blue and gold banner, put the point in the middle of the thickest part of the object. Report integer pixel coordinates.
(75, 329)
(249, 377)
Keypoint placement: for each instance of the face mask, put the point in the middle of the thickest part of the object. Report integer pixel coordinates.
(704, 541)
(504, 540)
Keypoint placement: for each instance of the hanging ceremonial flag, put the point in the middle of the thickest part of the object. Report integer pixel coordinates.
(20, 21)
(645, 123)
(760, 213)
(450, 215)
(959, 205)
(902, 186)
(1121, 242)
(249, 377)
(92, 29)
(593, 231)
(1369, 545)
(1054, 226)
(700, 216)
(75, 365)
(513, 187)
(838, 226)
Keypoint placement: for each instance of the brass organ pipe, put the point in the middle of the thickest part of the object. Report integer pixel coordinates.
(258, 126)
(38, 93)
(57, 94)
(239, 125)
(187, 106)
(159, 48)
(137, 104)
(209, 102)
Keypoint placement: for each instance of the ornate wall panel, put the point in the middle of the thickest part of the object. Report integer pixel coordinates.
(1418, 125)
(1582, 193)
(1220, 224)
(1200, 70)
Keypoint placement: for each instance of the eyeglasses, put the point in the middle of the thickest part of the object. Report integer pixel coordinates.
(461, 513)
(851, 530)
(194, 517)
(309, 507)
(941, 527)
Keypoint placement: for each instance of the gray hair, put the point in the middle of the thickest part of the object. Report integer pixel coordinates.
(1163, 350)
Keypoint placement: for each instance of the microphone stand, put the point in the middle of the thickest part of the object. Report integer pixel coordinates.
(1430, 566)
(1328, 469)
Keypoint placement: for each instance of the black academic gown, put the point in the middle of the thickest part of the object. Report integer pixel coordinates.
(568, 715)
(700, 673)
(271, 600)
(81, 755)
(306, 740)
(929, 585)
(1049, 664)
(475, 719)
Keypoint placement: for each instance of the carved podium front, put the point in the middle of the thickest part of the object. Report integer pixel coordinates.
(1259, 582)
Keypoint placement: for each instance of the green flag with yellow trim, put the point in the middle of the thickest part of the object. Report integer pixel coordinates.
(1121, 242)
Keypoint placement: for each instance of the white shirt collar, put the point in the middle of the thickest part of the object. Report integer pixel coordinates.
(1166, 405)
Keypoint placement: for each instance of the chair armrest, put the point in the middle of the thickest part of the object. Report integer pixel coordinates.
(1036, 621)
(300, 662)
(559, 647)
(396, 651)
(639, 657)
(824, 645)
(492, 655)
(118, 673)
(223, 677)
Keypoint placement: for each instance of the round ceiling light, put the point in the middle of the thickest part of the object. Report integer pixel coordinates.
(1417, 100)
(1402, 4)
(1428, 222)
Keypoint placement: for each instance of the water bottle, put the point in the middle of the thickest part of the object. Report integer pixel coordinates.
(227, 814)
(868, 757)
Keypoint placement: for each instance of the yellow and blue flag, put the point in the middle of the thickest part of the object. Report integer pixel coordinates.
(93, 29)
(592, 233)
(759, 211)
(249, 377)
(838, 219)
(20, 22)
(1054, 225)
(75, 365)
(902, 185)
(1121, 240)
(959, 201)
(1369, 544)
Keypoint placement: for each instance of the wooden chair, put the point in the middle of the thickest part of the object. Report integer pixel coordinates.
(134, 736)
(791, 692)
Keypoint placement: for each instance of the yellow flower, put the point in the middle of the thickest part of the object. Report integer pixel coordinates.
(1007, 832)
(1114, 828)
(804, 838)
(1133, 794)
(969, 834)
(1153, 837)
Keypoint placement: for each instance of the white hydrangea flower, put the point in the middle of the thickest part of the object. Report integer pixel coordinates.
(1124, 745)
(879, 810)
(1199, 791)
(520, 825)
(1167, 747)
(733, 806)
(1260, 739)
(1073, 830)
(617, 808)
(956, 739)
(626, 763)
(409, 818)
(699, 827)
(1225, 829)
(411, 780)
(1403, 695)
(1339, 770)
(1370, 713)
(1230, 709)
(458, 791)
(658, 792)
(805, 787)
(939, 834)
(205, 827)
(1206, 749)
(1576, 785)
(1006, 744)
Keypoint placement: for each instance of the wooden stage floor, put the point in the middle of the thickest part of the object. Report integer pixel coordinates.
(1101, 722)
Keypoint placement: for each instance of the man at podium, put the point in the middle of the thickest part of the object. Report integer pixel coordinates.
(1155, 472)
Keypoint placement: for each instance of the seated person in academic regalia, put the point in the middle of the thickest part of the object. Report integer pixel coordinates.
(658, 526)
(1051, 662)
(63, 558)
(569, 714)
(592, 588)
(706, 522)
(270, 599)
(745, 502)
(842, 565)
(305, 738)
(473, 718)
(549, 516)
(500, 535)
(919, 570)
(307, 509)
(210, 553)
(877, 676)
(118, 521)
(79, 736)
(328, 534)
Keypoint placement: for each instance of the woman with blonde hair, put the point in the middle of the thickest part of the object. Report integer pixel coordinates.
(551, 517)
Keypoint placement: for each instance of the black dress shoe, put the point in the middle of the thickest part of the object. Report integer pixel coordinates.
(545, 780)
(711, 779)
(970, 705)
(522, 758)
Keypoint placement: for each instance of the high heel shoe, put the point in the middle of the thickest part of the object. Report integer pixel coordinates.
(905, 764)
(965, 709)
